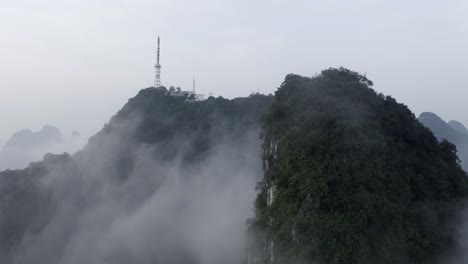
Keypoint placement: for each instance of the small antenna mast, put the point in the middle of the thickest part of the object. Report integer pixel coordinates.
(194, 85)
(157, 78)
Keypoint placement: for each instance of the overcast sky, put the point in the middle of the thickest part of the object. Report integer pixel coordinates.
(74, 63)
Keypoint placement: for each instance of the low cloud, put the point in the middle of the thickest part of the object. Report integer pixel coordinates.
(167, 211)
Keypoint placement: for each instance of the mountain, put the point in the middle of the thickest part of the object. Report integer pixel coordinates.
(452, 132)
(75, 134)
(27, 139)
(325, 171)
(167, 180)
(351, 176)
(440, 128)
(458, 126)
(26, 146)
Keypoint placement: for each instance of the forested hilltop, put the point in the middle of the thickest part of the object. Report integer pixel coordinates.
(351, 176)
(168, 180)
(347, 176)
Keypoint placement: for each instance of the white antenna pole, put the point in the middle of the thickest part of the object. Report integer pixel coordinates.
(194, 85)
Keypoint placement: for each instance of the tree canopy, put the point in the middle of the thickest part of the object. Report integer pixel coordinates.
(357, 179)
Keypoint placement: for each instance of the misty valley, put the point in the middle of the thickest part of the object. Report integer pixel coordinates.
(325, 171)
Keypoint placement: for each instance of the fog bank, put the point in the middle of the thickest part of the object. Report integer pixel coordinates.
(163, 211)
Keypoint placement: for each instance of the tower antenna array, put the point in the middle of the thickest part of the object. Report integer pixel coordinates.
(157, 79)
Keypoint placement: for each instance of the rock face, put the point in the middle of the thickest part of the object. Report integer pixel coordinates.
(454, 132)
(352, 177)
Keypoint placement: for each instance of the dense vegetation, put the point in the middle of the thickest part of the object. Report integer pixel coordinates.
(176, 129)
(176, 125)
(351, 176)
(355, 177)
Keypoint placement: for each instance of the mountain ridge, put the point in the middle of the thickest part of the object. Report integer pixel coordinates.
(452, 131)
(187, 166)
(351, 176)
(344, 175)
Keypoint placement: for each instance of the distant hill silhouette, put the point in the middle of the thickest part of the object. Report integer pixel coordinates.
(27, 146)
(458, 126)
(453, 131)
(76, 134)
(27, 139)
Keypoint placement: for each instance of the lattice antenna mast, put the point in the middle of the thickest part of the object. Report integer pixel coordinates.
(157, 79)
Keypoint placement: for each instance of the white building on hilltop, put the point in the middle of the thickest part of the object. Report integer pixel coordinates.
(177, 91)
(174, 91)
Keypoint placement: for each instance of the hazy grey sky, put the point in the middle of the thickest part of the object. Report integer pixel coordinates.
(74, 63)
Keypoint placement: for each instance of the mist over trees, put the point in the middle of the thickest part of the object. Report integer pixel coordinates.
(166, 181)
(351, 176)
(26, 146)
(324, 171)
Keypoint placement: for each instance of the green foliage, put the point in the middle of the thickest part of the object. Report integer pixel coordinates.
(358, 179)
(153, 118)
(24, 206)
(171, 120)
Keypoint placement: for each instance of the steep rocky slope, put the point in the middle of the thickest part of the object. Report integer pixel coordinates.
(351, 176)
